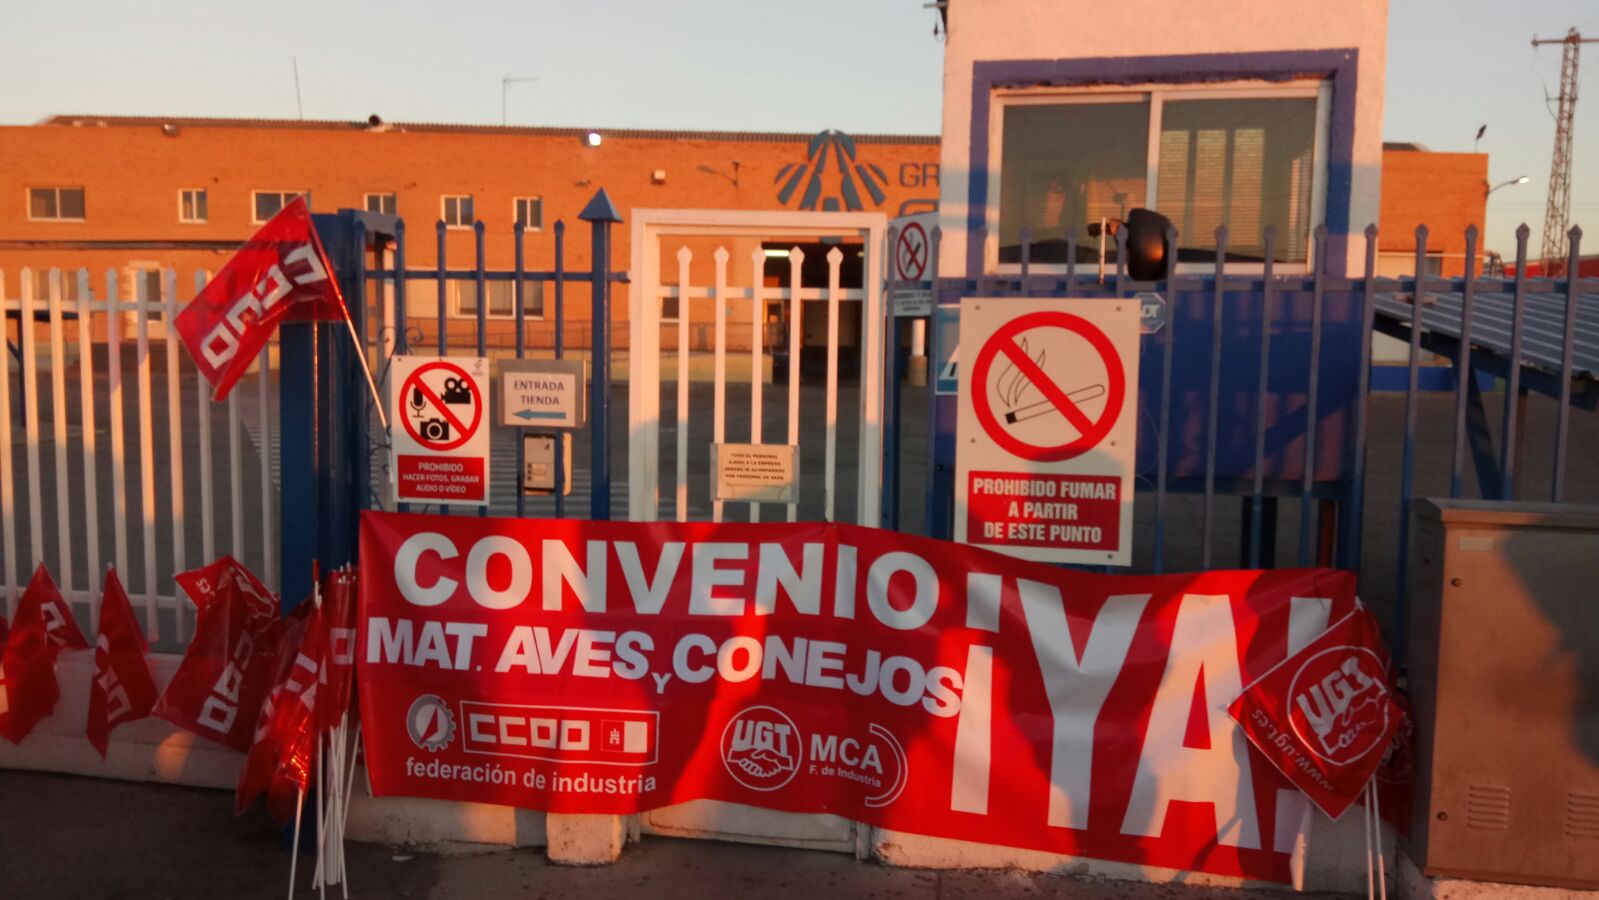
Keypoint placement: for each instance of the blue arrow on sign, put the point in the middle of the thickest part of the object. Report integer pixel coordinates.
(530, 414)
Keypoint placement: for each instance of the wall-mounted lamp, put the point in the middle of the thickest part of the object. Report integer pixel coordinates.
(733, 177)
(593, 139)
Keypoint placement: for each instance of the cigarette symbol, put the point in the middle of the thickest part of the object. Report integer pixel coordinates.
(1012, 385)
(1043, 407)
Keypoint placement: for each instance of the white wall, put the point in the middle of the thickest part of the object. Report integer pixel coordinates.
(981, 30)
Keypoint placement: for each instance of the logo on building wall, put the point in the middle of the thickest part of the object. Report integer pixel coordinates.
(832, 176)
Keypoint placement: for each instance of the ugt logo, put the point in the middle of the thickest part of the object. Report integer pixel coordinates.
(761, 748)
(1338, 703)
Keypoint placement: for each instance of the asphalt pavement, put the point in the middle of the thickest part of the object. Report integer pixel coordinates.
(73, 838)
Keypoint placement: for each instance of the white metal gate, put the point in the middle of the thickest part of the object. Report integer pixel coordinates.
(861, 446)
(648, 291)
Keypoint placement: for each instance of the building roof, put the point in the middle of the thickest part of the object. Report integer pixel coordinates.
(1543, 330)
(377, 124)
(1410, 146)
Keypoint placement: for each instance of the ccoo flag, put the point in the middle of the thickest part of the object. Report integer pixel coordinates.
(229, 666)
(42, 629)
(122, 690)
(281, 273)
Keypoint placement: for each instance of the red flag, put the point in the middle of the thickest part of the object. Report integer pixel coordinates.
(282, 272)
(227, 671)
(338, 607)
(281, 758)
(1326, 715)
(43, 628)
(255, 777)
(122, 690)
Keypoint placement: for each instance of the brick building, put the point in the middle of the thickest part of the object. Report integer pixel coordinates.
(1448, 192)
(142, 194)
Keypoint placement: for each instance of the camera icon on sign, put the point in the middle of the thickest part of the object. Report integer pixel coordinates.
(456, 391)
(434, 429)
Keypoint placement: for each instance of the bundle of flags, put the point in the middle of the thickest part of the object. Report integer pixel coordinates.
(277, 688)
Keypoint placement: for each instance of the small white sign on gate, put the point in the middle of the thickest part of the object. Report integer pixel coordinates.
(541, 393)
(755, 473)
(912, 260)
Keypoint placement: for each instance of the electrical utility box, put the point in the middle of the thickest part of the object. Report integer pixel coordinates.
(1504, 675)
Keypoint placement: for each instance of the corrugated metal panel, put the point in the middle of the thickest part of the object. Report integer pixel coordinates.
(1542, 333)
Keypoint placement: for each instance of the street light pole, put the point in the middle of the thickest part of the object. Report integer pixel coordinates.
(1489, 190)
(505, 87)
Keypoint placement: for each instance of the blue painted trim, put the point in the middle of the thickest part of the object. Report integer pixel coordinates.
(1340, 66)
(1395, 378)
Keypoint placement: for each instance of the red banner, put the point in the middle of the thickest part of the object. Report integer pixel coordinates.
(281, 273)
(1326, 715)
(917, 685)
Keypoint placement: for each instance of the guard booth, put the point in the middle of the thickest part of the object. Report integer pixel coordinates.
(1257, 131)
(1262, 146)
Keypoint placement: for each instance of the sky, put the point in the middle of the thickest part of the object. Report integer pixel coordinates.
(862, 66)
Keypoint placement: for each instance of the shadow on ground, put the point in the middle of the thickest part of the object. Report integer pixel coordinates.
(83, 838)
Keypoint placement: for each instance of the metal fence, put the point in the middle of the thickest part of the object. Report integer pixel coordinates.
(1259, 389)
(1259, 427)
(396, 329)
(111, 451)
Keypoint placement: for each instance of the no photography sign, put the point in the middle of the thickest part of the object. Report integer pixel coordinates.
(440, 435)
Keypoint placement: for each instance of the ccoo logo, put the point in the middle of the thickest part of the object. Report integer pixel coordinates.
(761, 748)
(430, 723)
(1339, 704)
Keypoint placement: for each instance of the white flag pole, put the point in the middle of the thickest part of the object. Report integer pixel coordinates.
(1296, 857)
(371, 383)
(349, 324)
(323, 868)
(294, 849)
(1376, 826)
(1365, 827)
(349, 786)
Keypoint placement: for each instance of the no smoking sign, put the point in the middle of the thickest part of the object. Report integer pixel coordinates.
(910, 254)
(1046, 428)
(440, 431)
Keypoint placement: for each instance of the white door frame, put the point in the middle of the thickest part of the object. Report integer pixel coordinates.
(644, 333)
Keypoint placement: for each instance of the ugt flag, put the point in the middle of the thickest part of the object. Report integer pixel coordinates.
(281, 273)
(1326, 715)
(122, 690)
(42, 629)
